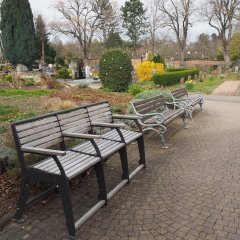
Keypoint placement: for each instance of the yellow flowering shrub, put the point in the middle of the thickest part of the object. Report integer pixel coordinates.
(146, 69)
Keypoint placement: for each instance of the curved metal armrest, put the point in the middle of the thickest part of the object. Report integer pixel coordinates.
(44, 151)
(127, 117)
(188, 101)
(180, 104)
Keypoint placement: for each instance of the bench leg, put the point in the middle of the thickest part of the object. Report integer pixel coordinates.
(67, 207)
(141, 150)
(163, 141)
(124, 162)
(184, 118)
(25, 187)
(101, 182)
(200, 104)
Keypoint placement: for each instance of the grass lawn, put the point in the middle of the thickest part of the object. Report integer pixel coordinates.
(205, 87)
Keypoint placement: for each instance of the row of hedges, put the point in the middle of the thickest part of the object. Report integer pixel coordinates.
(172, 78)
(176, 69)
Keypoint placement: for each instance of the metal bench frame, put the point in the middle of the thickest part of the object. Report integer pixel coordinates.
(191, 100)
(31, 174)
(157, 108)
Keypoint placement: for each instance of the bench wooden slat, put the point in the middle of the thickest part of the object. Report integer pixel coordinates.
(74, 119)
(96, 107)
(72, 114)
(36, 130)
(35, 124)
(39, 135)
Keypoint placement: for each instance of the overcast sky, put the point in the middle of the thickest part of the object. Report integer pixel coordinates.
(45, 7)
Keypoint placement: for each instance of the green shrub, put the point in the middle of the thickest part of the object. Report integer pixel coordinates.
(8, 78)
(117, 109)
(154, 93)
(158, 59)
(134, 89)
(63, 73)
(29, 82)
(190, 84)
(115, 70)
(173, 78)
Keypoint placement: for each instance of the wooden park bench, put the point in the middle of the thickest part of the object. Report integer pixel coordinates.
(101, 117)
(191, 100)
(156, 114)
(42, 135)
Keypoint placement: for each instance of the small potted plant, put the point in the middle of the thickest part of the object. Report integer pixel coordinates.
(95, 75)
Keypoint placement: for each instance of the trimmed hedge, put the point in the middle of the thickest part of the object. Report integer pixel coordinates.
(173, 78)
(115, 70)
(176, 69)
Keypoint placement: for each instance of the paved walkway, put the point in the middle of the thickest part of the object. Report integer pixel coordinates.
(190, 191)
(228, 88)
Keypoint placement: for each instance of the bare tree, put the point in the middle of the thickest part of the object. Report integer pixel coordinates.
(80, 19)
(177, 14)
(110, 21)
(155, 22)
(222, 15)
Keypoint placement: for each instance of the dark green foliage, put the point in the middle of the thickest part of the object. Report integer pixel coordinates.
(115, 69)
(60, 61)
(134, 20)
(18, 34)
(172, 78)
(63, 73)
(114, 40)
(158, 59)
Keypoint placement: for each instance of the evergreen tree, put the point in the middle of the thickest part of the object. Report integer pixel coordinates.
(114, 40)
(45, 52)
(134, 21)
(18, 33)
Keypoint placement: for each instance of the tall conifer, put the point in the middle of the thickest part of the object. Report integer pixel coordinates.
(18, 34)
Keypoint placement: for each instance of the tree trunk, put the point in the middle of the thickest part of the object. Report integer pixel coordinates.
(227, 60)
(153, 45)
(182, 58)
(43, 53)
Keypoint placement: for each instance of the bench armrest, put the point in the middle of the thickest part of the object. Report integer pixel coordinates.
(81, 135)
(43, 151)
(108, 125)
(180, 104)
(127, 117)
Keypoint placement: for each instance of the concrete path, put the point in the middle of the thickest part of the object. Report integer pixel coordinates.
(228, 88)
(190, 191)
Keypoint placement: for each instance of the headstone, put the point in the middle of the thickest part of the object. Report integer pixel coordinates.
(228, 72)
(21, 68)
(182, 80)
(219, 70)
(189, 78)
(87, 71)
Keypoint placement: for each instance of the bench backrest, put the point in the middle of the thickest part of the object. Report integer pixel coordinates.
(75, 120)
(179, 93)
(100, 112)
(149, 105)
(41, 132)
